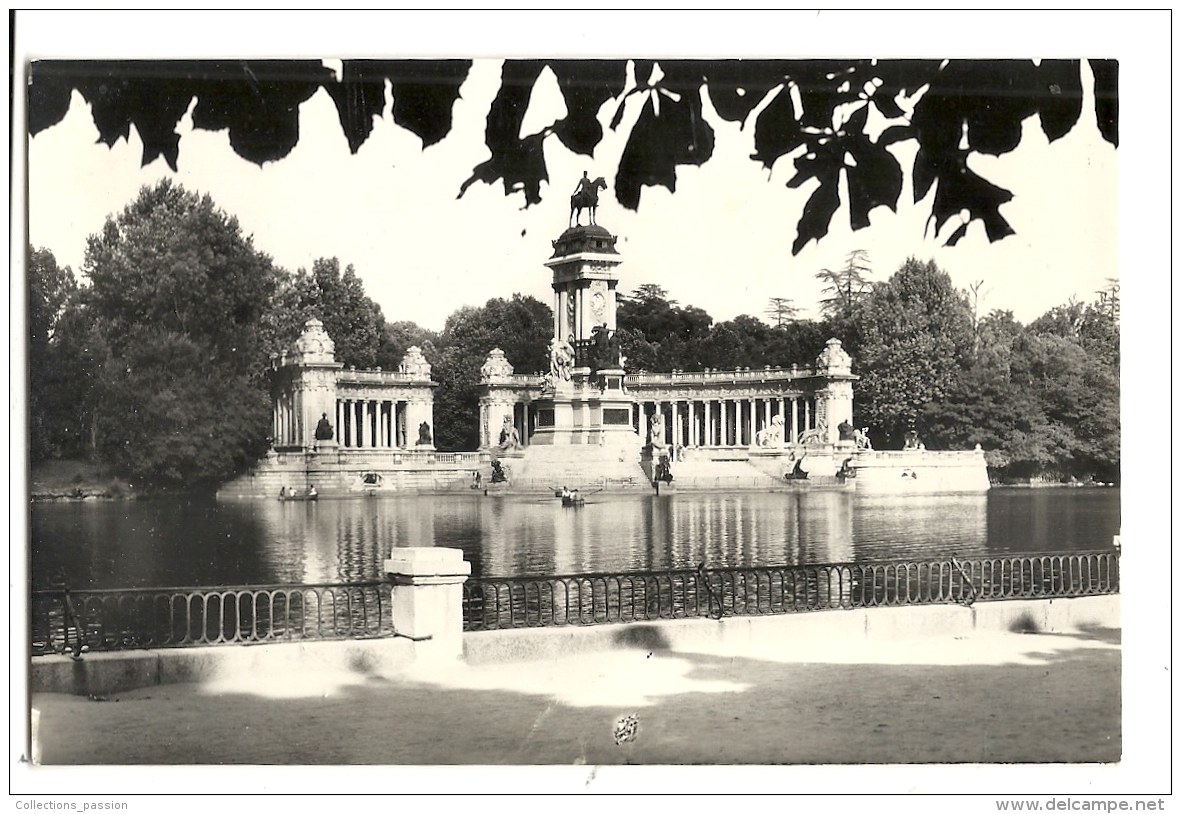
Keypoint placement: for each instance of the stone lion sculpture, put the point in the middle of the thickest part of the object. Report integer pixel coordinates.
(771, 436)
(817, 435)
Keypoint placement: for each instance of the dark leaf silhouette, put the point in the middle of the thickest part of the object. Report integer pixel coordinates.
(825, 166)
(960, 188)
(777, 132)
(586, 86)
(1061, 102)
(519, 163)
(424, 94)
(359, 98)
(737, 86)
(876, 180)
(659, 142)
(1106, 73)
(258, 102)
(818, 114)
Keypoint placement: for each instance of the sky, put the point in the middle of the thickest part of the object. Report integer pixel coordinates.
(721, 242)
(1083, 212)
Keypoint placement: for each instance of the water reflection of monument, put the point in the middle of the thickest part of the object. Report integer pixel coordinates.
(334, 541)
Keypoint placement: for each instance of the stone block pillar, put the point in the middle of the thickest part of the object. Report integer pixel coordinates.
(428, 599)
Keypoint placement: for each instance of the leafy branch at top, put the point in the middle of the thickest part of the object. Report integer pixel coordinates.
(815, 113)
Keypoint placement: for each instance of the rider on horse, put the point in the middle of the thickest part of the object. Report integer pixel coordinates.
(586, 196)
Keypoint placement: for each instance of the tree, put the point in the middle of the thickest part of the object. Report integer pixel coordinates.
(177, 296)
(781, 310)
(354, 321)
(847, 286)
(815, 112)
(521, 327)
(1042, 401)
(51, 289)
(399, 337)
(916, 341)
(649, 311)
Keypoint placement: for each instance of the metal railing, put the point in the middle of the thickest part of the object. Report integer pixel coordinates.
(65, 621)
(585, 599)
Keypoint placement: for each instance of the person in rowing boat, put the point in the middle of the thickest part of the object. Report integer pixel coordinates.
(565, 493)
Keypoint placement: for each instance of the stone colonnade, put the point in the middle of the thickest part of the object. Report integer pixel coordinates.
(366, 422)
(726, 421)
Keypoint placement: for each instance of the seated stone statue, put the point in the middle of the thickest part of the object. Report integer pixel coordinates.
(510, 439)
(424, 434)
(323, 428)
(845, 431)
(861, 437)
(498, 475)
(561, 358)
(656, 430)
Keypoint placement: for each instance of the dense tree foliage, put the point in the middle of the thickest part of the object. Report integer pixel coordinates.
(51, 290)
(915, 341)
(817, 113)
(521, 327)
(350, 317)
(176, 296)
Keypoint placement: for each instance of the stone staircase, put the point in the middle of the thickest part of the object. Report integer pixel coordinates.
(701, 475)
(546, 468)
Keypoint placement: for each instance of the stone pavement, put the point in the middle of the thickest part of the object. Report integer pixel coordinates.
(983, 697)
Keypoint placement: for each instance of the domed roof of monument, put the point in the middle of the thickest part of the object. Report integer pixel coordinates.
(593, 239)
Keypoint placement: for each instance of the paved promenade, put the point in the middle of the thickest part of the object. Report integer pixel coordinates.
(983, 697)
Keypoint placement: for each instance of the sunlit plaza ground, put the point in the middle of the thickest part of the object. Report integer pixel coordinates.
(983, 697)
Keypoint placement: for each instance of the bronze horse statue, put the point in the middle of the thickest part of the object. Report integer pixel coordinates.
(587, 197)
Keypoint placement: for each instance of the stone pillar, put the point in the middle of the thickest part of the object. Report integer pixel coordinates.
(428, 599)
(677, 440)
(795, 419)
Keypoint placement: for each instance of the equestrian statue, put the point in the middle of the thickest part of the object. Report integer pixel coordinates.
(586, 196)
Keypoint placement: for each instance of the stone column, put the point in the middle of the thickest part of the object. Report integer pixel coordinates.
(428, 599)
(795, 419)
(692, 424)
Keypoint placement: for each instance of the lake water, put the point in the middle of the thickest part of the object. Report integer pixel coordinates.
(189, 542)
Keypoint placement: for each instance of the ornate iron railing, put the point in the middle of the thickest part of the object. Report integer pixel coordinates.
(66, 621)
(585, 599)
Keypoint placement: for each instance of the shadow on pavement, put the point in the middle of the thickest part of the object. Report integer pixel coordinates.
(682, 708)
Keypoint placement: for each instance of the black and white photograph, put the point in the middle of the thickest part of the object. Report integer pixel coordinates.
(464, 403)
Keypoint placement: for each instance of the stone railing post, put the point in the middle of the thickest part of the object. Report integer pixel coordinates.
(428, 599)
